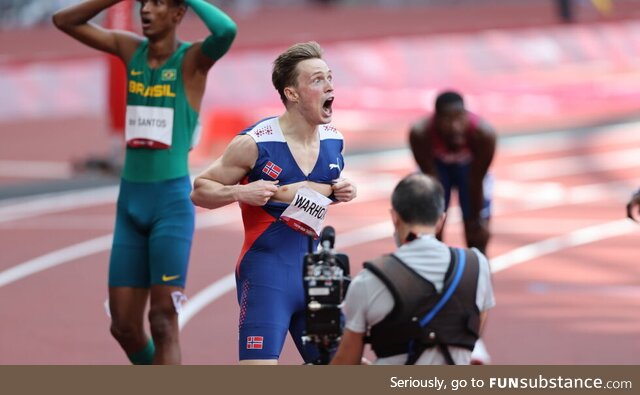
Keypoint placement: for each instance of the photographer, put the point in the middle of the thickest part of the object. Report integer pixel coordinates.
(371, 305)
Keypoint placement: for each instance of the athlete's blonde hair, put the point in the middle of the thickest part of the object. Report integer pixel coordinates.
(285, 72)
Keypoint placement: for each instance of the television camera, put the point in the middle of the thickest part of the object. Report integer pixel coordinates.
(326, 279)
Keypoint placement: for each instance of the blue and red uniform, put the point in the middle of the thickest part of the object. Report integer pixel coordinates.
(453, 168)
(269, 270)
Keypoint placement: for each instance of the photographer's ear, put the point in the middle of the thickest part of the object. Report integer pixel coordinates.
(395, 218)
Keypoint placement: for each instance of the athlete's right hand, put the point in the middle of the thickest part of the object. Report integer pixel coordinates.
(259, 192)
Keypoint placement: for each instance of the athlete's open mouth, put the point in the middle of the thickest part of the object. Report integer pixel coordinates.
(146, 21)
(327, 106)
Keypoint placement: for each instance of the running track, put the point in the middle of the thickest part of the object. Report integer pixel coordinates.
(565, 258)
(567, 279)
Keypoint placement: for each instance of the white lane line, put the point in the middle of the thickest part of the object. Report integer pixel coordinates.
(55, 258)
(384, 230)
(35, 169)
(208, 295)
(537, 226)
(102, 222)
(20, 208)
(576, 238)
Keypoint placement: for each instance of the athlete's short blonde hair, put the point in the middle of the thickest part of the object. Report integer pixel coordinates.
(285, 72)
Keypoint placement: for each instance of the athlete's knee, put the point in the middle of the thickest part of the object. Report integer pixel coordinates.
(126, 331)
(163, 321)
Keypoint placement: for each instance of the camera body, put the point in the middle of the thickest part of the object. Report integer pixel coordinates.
(326, 279)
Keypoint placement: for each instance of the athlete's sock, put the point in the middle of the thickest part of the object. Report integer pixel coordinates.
(144, 356)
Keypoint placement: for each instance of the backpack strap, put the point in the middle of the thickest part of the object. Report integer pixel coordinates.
(452, 280)
(458, 263)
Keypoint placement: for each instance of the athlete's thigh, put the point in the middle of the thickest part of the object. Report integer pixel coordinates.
(446, 180)
(170, 243)
(265, 307)
(129, 260)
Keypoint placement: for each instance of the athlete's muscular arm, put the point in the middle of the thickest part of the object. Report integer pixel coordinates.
(350, 349)
(74, 21)
(223, 31)
(217, 185)
(483, 146)
(421, 147)
(203, 54)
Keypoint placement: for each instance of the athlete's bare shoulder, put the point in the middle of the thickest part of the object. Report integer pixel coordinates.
(486, 132)
(242, 148)
(420, 128)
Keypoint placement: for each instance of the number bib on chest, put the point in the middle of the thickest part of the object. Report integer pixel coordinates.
(306, 212)
(149, 127)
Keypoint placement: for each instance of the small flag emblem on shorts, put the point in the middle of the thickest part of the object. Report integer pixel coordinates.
(272, 170)
(254, 342)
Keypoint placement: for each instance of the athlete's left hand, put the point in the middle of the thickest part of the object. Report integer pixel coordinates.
(344, 190)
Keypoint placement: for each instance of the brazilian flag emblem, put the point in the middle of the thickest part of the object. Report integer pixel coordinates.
(169, 75)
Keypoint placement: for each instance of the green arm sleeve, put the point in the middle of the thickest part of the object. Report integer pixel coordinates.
(223, 29)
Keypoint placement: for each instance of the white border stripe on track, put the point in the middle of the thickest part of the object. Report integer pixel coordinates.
(576, 238)
(55, 258)
(19, 208)
(35, 169)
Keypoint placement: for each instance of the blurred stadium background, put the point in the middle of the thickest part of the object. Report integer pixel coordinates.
(550, 79)
(518, 62)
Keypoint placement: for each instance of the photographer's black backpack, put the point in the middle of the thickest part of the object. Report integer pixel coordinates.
(422, 318)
